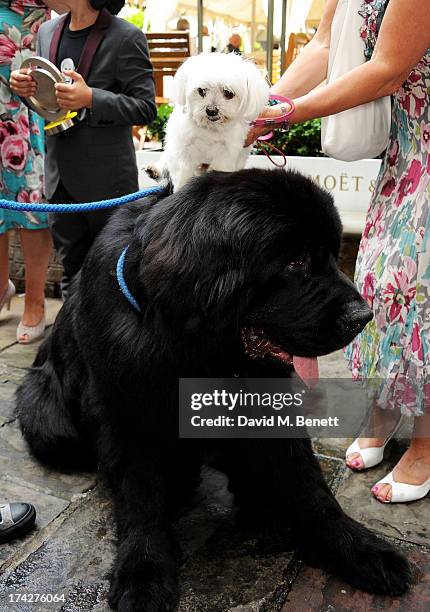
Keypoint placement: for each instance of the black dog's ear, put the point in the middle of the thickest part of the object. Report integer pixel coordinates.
(192, 301)
(222, 299)
(219, 291)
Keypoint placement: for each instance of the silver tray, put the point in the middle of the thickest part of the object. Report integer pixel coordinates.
(46, 75)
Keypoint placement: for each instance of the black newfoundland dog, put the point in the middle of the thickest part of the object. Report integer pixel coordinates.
(229, 264)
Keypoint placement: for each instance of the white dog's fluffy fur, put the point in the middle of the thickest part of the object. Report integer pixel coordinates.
(216, 95)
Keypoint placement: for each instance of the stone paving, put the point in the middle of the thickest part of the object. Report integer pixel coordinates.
(70, 551)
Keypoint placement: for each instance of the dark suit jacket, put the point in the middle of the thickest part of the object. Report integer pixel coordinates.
(97, 160)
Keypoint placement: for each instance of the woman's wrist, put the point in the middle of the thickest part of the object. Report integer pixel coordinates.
(304, 110)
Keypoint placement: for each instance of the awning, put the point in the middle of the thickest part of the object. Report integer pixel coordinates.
(242, 10)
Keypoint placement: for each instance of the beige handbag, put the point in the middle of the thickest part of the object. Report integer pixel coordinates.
(364, 131)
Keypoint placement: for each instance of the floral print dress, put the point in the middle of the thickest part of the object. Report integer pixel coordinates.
(393, 265)
(22, 146)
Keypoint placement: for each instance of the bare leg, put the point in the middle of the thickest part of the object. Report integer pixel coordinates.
(414, 466)
(382, 423)
(4, 263)
(36, 245)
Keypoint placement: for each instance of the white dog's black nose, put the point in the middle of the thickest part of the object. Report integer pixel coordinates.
(212, 111)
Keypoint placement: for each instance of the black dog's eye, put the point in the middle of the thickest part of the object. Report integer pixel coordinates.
(202, 92)
(300, 263)
(228, 94)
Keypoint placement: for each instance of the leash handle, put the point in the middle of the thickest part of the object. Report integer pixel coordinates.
(275, 121)
(282, 119)
(268, 121)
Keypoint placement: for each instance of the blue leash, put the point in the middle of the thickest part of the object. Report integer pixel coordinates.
(89, 206)
(85, 207)
(122, 283)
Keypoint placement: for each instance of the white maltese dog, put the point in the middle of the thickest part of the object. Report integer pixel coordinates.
(216, 95)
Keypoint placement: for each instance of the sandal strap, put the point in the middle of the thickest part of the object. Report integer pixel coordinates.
(6, 516)
(33, 332)
(370, 456)
(404, 492)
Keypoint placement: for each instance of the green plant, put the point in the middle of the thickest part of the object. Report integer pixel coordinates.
(137, 18)
(157, 129)
(302, 139)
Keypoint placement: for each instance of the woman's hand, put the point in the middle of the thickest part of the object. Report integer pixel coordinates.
(22, 83)
(260, 130)
(76, 96)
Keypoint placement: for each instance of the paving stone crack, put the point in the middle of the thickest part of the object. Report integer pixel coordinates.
(8, 346)
(279, 598)
(402, 537)
(8, 422)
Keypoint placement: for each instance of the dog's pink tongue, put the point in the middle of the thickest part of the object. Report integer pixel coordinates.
(307, 369)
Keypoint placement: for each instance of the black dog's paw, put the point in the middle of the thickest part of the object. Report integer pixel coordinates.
(136, 594)
(366, 562)
(378, 568)
(144, 577)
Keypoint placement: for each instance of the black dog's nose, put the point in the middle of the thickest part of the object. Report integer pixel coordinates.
(357, 316)
(212, 111)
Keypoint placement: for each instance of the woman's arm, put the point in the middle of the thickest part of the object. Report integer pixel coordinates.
(56, 6)
(310, 67)
(304, 74)
(403, 40)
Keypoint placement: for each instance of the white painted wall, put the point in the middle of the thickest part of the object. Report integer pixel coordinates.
(350, 183)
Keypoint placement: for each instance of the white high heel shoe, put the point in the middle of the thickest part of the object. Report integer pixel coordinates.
(33, 332)
(8, 295)
(402, 492)
(373, 455)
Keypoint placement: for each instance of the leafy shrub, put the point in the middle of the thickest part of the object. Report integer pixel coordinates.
(157, 129)
(137, 18)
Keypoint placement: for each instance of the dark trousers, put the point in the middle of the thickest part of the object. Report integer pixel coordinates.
(73, 235)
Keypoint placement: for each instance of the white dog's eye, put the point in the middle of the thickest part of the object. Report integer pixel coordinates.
(202, 92)
(228, 94)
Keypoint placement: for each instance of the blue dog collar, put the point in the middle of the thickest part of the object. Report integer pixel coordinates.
(122, 283)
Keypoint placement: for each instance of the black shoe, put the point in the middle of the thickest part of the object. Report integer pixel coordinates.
(16, 520)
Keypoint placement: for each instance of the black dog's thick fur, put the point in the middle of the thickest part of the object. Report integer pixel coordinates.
(251, 249)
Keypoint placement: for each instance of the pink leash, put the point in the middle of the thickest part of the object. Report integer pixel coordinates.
(282, 122)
